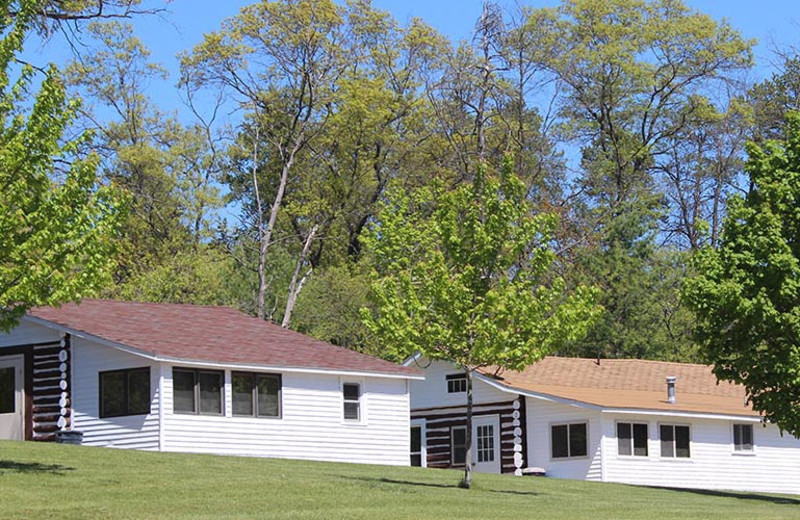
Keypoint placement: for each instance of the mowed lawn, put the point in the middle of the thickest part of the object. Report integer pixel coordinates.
(39, 481)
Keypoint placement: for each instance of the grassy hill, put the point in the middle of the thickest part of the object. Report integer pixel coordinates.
(39, 481)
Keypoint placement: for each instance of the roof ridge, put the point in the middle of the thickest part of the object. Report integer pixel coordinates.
(636, 360)
(162, 304)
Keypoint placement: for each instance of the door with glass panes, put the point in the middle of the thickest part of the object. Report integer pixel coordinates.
(12, 419)
(486, 444)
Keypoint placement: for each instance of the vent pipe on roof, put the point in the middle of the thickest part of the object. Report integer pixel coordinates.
(671, 389)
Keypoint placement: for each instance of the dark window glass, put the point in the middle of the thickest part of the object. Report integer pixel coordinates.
(210, 392)
(416, 446)
(560, 444)
(112, 394)
(269, 391)
(242, 387)
(458, 441)
(743, 437)
(667, 441)
(624, 436)
(682, 441)
(352, 393)
(125, 392)
(8, 389)
(456, 383)
(183, 387)
(577, 440)
(640, 440)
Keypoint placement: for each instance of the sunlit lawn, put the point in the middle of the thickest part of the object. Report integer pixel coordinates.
(40, 481)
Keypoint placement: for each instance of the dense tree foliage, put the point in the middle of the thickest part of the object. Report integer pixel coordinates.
(465, 275)
(57, 223)
(747, 292)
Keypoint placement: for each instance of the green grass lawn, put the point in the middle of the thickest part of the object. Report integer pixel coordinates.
(39, 481)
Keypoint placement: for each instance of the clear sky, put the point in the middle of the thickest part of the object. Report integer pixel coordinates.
(768, 21)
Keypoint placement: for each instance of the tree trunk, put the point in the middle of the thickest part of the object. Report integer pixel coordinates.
(466, 483)
(294, 286)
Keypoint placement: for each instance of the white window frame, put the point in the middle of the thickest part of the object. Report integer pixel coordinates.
(675, 457)
(459, 378)
(362, 401)
(633, 447)
(423, 442)
(569, 451)
(752, 450)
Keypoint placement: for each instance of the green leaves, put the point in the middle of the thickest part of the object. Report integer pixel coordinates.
(57, 225)
(747, 294)
(464, 274)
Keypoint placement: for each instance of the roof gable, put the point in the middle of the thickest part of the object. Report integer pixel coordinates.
(209, 334)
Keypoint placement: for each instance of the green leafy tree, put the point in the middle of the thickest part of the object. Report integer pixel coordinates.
(747, 294)
(465, 276)
(57, 225)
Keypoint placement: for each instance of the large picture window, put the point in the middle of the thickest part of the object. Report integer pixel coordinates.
(256, 395)
(675, 440)
(125, 392)
(632, 439)
(197, 391)
(568, 440)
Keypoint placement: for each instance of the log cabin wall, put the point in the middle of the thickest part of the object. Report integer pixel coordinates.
(439, 421)
(51, 389)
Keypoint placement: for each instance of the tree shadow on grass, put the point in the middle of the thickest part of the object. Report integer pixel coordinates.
(385, 480)
(10, 466)
(734, 494)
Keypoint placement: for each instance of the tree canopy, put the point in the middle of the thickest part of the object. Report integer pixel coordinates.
(746, 294)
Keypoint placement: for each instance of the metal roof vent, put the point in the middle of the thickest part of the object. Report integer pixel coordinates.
(671, 389)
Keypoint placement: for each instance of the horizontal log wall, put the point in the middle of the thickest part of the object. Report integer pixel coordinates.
(439, 421)
(52, 407)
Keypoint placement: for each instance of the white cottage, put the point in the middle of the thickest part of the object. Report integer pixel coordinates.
(201, 379)
(607, 420)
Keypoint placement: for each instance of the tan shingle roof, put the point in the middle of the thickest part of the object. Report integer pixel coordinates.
(209, 334)
(630, 384)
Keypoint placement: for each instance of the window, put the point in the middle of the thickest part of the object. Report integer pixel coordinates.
(743, 437)
(458, 443)
(456, 383)
(197, 391)
(675, 441)
(416, 446)
(256, 395)
(632, 439)
(352, 401)
(485, 441)
(125, 392)
(568, 440)
(8, 388)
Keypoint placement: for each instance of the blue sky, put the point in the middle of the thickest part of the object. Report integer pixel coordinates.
(187, 20)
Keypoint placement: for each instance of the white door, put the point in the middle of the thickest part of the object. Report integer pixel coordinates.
(12, 420)
(486, 443)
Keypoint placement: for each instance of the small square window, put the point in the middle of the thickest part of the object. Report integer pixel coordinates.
(125, 392)
(632, 439)
(197, 391)
(675, 441)
(456, 383)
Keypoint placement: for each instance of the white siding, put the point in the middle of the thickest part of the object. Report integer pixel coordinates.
(773, 466)
(540, 416)
(432, 391)
(27, 334)
(311, 426)
(140, 431)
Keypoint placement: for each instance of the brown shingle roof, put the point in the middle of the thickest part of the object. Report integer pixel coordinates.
(209, 334)
(630, 384)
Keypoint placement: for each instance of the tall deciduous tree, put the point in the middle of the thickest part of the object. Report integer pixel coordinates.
(470, 280)
(747, 293)
(57, 224)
